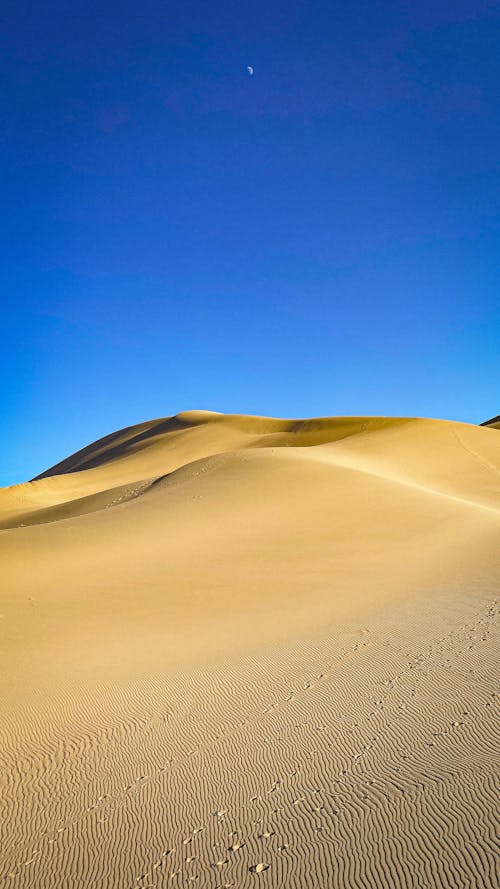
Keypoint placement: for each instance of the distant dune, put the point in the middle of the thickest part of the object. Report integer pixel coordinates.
(494, 422)
(240, 651)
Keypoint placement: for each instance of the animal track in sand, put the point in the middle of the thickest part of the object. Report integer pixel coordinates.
(258, 868)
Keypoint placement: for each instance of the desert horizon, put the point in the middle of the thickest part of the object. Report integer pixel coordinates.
(244, 651)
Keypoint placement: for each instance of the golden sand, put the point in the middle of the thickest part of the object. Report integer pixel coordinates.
(241, 651)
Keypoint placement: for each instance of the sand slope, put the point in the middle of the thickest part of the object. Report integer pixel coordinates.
(240, 650)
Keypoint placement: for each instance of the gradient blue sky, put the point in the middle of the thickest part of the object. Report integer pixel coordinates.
(317, 239)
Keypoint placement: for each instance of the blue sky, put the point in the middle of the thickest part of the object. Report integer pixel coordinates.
(320, 238)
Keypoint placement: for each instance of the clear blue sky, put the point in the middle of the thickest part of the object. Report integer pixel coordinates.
(318, 238)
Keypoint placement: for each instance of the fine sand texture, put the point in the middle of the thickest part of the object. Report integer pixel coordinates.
(248, 652)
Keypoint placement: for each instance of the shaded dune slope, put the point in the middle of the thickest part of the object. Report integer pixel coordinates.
(494, 422)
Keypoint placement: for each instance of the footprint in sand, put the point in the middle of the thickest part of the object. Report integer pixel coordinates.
(258, 868)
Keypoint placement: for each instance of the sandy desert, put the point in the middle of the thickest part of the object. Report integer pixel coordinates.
(250, 652)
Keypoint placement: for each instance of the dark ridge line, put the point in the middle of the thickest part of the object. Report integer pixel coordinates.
(73, 462)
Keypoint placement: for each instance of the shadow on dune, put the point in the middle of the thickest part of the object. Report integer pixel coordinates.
(115, 445)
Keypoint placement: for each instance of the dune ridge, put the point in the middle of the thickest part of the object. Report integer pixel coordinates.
(243, 650)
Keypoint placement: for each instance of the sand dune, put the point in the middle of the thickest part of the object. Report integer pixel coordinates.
(494, 422)
(243, 651)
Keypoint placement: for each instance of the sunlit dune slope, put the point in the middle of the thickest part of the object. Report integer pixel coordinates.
(253, 527)
(150, 450)
(124, 463)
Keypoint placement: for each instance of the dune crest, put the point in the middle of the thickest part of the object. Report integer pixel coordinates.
(242, 649)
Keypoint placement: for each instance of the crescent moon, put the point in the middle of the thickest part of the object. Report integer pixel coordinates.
(250, 70)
